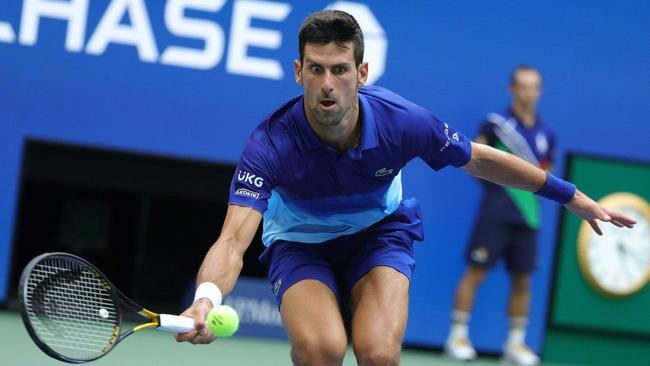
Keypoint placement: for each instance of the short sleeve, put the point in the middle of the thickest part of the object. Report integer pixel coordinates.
(253, 180)
(436, 142)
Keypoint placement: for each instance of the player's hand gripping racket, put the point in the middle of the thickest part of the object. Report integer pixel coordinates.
(74, 313)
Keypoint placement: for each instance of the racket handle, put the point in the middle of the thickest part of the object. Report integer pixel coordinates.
(175, 323)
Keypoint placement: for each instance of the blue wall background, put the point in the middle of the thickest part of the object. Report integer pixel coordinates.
(453, 58)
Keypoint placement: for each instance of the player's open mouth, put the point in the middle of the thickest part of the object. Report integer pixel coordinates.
(327, 103)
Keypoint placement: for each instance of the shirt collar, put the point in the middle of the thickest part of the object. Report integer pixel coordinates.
(309, 137)
(510, 113)
(368, 125)
(297, 115)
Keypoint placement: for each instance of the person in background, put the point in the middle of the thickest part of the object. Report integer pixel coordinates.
(507, 222)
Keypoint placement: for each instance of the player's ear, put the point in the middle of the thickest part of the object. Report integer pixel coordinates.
(362, 72)
(297, 72)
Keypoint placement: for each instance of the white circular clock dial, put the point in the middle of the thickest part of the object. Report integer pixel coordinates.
(620, 258)
(618, 262)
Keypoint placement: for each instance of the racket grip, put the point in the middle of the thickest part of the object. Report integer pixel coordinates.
(175, 323)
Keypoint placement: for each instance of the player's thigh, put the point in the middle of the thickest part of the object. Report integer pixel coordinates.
(311, 317)
(379, 303)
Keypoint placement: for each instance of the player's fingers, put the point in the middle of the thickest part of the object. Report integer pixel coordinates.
(625, 224)
(624, 220)
(197, 339)
(204, 332)
(202, 339)
(202, 329)
(186, 337)
(209, 339)
(206, 341)
(602, 215)
(616, 223)
(594, 225)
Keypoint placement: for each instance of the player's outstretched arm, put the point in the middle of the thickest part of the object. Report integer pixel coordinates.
(221, 266)
(508, 170)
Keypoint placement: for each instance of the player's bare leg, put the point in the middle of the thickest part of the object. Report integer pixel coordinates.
(458, 345)
(379, 312)
(473, 277)
(519, 302)
(515, 350)
(312, 319)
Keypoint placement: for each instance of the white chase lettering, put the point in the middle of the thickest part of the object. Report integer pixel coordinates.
(6, 33)
(74, 12)
(242, 35)
(138, 32)
(210, 33)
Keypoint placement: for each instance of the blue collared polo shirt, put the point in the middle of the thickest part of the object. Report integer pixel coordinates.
(309, 192)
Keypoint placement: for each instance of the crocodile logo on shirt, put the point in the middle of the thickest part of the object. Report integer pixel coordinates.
(383, 172)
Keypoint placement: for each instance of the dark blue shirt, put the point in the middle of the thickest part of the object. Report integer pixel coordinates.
(311, 193)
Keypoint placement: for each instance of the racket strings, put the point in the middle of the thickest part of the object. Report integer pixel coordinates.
(70, 308)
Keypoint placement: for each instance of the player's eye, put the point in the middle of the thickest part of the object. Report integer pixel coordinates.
(338, 70)
(316, 69)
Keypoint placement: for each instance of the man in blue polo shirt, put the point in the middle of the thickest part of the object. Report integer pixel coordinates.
(507, 221)
(323, 171)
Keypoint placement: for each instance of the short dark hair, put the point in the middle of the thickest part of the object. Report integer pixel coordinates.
(513, 76)
(331, 26)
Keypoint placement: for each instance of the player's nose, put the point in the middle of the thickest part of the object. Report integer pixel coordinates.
(327, 84)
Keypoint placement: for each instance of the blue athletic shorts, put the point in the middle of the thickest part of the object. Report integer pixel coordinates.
(341, 262)
(491, 240)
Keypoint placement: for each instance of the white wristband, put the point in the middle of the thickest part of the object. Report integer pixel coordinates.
(209, 291)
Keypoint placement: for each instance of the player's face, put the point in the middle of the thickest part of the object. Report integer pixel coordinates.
(527, 88)
(331, 81)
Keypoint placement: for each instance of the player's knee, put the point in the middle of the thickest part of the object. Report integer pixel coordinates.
(318, 352)
(475, 276)
(520, 283)
(378, 357)
(379, 352)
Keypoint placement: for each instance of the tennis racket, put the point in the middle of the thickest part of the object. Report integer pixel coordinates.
(74, 313)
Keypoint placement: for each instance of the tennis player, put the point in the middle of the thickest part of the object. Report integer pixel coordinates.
(323, 171)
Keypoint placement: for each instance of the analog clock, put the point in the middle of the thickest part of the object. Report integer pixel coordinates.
(618, 262)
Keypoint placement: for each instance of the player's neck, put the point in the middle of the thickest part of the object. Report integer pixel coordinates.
(341, 136)
(527, 115)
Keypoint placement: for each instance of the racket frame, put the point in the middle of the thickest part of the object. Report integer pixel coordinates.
(119, 299)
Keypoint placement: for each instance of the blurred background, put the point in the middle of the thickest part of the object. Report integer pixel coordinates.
(121, 123)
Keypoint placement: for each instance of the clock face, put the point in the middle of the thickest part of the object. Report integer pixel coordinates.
(618, 262)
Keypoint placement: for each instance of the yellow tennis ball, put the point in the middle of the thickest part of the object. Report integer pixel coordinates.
(223, 321)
